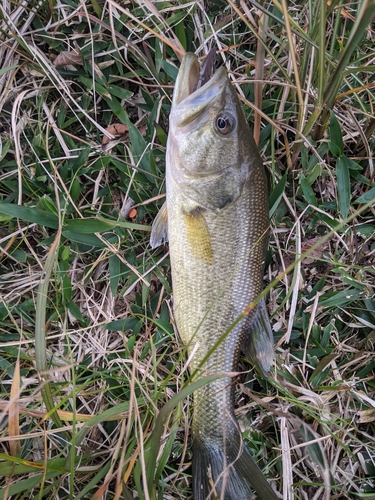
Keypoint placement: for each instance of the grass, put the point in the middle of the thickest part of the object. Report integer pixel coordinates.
(93, 380)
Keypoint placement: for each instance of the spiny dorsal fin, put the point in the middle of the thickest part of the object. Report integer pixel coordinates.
(159, 232)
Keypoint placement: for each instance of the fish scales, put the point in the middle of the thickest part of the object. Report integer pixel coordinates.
(208, 297)
(216, 220)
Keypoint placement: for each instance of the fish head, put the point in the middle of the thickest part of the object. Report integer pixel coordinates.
(210, 146)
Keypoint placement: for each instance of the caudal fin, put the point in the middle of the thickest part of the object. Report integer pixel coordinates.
(228, 472)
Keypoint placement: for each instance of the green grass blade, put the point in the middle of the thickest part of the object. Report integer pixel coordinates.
(343, 186)
(363, 19)
(40, 332)
(33, 215)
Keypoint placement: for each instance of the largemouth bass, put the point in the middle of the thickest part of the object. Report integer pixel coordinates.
(216, 221)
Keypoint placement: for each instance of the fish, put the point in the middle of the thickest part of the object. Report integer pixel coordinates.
(216, 221)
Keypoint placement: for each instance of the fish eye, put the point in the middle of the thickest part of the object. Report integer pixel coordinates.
(224, 124)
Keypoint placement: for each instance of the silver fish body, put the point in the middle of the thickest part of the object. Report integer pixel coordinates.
(216, 220)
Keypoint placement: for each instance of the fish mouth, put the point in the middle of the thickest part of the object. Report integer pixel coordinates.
(198, 83)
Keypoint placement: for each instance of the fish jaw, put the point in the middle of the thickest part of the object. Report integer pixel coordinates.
(187, 78)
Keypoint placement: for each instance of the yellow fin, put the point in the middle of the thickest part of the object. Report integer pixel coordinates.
(159, 232)
(198, 235)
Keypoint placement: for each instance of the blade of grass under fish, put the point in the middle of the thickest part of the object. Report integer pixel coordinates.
(165, 412)
(40, 331)
(260, 483)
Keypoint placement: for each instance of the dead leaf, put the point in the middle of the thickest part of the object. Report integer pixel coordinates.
(306, 244)
(117, 130)
(67, 58)
(14, 413)
(366, 416)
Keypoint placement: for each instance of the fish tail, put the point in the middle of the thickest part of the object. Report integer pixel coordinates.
(227, 472)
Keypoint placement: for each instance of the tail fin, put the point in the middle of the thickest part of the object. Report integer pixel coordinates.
(227, 473)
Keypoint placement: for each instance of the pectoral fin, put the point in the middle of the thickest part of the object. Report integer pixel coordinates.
(198, 235)
(159, 232)
(259, 344)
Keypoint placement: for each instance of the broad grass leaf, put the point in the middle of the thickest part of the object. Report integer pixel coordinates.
(4, 364)
(341, 298)
(66, 288)
(343, 186)
(88, 226)
(75, 310)
(164, 325)
(171, 70)
(75, 164)
(327, 332)
(121, 325)
(142, 154)
(181, 34)
(367, 197)
(353, 165)
(114, 265)
(30, 215)
(100, 225)
(27, 484)
(162, 136)
(47, 205)
(145, 293)
(277, 194)
(98, 88)
(117, 109)
(75, 189)
(5, 218)
(315, 449)
(336, 144)
(119, 92)
(8, 68)
(320, 374)
(84, 239)
(307, 191)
